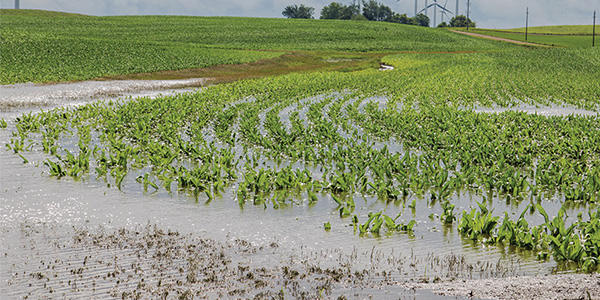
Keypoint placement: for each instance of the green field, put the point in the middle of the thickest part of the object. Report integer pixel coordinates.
(370, 142)
(564, 29)
(506, 78)
(64, 47)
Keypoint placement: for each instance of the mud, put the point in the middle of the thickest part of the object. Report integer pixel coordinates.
(147, 262)
(549, 287)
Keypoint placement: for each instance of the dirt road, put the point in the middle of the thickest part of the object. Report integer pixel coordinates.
(498, 39)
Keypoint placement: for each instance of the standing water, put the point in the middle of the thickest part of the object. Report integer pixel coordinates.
(66, 238)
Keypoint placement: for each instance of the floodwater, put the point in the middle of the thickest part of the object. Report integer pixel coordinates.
(42, 219)
(29, 95)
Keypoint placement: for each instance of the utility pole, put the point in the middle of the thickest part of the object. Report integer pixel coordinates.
(468, 8)
(594, 31)
(526, 22)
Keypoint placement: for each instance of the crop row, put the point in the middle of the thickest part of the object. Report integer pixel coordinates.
(577, 242)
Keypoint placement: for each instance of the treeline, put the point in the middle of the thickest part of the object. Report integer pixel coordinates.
(371, 10)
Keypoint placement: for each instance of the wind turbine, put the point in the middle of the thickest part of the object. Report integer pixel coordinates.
(17, 5)
(456, 11)
(416, 7)
(445, 12)
(435, 5)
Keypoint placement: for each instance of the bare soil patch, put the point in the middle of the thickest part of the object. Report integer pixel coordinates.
(294, 62)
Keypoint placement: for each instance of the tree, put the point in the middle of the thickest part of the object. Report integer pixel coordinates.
(350, 12)
(443, 24)
(461, 21)
(422, 20)
(359, 18)
(376, 11)
(336, 10)
(403, 19)
(298, 12)
(332, 11)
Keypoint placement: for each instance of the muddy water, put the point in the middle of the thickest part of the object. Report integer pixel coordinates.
(51, 227)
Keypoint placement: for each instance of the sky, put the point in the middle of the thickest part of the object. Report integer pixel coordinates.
(486, 13)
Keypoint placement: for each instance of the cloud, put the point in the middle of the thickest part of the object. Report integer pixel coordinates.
(487, 13)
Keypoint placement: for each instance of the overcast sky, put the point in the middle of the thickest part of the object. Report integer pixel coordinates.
(487, 13)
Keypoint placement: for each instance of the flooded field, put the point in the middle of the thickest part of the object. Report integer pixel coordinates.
(83, 238)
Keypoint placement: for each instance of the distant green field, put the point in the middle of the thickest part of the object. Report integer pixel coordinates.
(37, 13)
(44, 47)
(62, 47)
(563, 29)
(537, 76)
(561, 36)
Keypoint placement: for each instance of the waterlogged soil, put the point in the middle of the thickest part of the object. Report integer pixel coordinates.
(146, 262)
(549, 287)
(82, 238)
